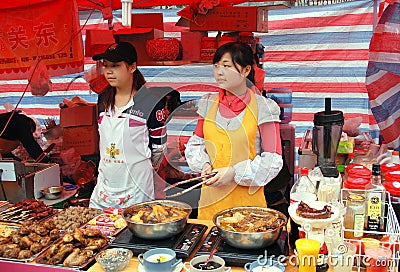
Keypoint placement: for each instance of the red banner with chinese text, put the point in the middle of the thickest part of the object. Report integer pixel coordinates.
(48, 30)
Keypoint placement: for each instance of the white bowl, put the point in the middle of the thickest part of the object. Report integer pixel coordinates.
(315, 223)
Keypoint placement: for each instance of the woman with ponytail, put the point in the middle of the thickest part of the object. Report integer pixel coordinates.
(132, 132)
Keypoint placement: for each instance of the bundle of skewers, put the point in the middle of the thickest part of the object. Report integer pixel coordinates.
(28, 209)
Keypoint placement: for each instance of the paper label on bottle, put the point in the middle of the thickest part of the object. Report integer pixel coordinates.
(374, 210)
(374, 205)
(358, 225)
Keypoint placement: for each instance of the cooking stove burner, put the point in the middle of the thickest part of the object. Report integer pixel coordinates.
(239, 257)
(183, 243)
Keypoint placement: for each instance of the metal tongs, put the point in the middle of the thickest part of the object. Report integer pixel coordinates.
(207, 177)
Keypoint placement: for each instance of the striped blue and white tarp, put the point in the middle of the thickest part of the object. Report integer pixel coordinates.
(383, 74)
(316, 52)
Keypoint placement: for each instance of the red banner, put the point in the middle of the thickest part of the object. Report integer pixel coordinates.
(47, 30)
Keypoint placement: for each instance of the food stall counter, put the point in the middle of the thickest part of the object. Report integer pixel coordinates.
(134, 263)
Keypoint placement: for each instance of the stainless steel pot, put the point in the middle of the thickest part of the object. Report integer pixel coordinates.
(157, 230)
(52, 192)
(250, 240)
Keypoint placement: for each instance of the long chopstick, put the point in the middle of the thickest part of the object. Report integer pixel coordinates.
(190, 180)
(188, 189)
(44, 153)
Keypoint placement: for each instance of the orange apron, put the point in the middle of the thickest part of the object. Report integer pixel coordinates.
(226, 148)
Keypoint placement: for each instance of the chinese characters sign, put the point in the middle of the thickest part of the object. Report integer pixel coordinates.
(47, 30)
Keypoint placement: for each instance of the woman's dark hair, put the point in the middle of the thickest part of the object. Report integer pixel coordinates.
(32, 125)
(108, 95)
(241, 54)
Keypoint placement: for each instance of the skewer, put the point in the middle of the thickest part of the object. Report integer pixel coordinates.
(10, 212)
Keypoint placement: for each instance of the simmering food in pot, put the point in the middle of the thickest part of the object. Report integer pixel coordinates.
(153, 214)
(250, 221)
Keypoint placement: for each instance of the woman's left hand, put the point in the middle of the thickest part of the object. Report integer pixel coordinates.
(224, 176)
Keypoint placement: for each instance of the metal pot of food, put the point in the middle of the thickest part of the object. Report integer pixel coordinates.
(157, 219)
(250, 227)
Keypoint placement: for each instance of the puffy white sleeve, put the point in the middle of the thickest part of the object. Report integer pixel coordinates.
(195, 153)
(259, 171)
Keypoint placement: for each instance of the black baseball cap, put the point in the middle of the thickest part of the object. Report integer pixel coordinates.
(116, 52)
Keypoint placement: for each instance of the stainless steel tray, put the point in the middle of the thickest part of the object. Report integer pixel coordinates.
(40, 257)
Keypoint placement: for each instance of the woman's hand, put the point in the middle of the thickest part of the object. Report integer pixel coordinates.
(224, 176)
(207, 169)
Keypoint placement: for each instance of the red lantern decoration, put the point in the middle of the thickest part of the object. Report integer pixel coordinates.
(163, 49)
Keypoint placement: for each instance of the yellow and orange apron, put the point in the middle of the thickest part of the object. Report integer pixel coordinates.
(226, 148)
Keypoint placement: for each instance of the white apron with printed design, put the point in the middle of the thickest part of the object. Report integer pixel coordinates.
(125, 170)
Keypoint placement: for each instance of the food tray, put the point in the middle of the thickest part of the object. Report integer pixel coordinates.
(74, 217)
(24, 260)
(6, 230)
(12, 213)
(392, 230)
(109, 224)
(41, 258)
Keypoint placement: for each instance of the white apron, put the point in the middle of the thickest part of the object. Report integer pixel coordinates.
(125, 170)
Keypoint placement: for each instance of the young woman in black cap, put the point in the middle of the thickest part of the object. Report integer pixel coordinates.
(132, 132)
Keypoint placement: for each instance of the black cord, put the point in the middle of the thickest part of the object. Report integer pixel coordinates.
(2, 187)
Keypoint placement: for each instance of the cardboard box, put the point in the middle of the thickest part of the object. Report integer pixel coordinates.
(80, 129)
(149, 20)
(234, 18)
(78, 116)
(138, 37)
(97, 41)
(85, 140)
(191, 44)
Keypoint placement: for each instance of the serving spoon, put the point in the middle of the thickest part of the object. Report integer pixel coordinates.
(208, 258)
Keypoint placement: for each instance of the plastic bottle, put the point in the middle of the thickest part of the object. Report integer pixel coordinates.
(395, 157)
(350, 159)
(376, 197)
(303, 189)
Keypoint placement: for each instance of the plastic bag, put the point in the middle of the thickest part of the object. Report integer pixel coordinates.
(96, 79)
(40, 83)
(351, 126)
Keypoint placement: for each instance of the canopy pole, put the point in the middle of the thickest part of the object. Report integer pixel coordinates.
(126, 12)
(375, 18)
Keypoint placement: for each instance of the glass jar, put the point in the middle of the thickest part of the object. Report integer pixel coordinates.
(354, 217)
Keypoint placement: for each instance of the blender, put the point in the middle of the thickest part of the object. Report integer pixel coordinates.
(326, 135)
(327, 131)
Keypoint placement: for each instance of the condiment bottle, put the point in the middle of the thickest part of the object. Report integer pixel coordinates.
(376, 196)
(303, 189)
(395, 157)
(350, 159)
(354, 217)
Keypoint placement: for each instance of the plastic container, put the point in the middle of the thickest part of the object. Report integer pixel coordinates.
(280, 95)
(392, 185)
(354, 217)
(378, 259)
(356, 177)
(286, 113)
(389, 167)
(208, 48)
